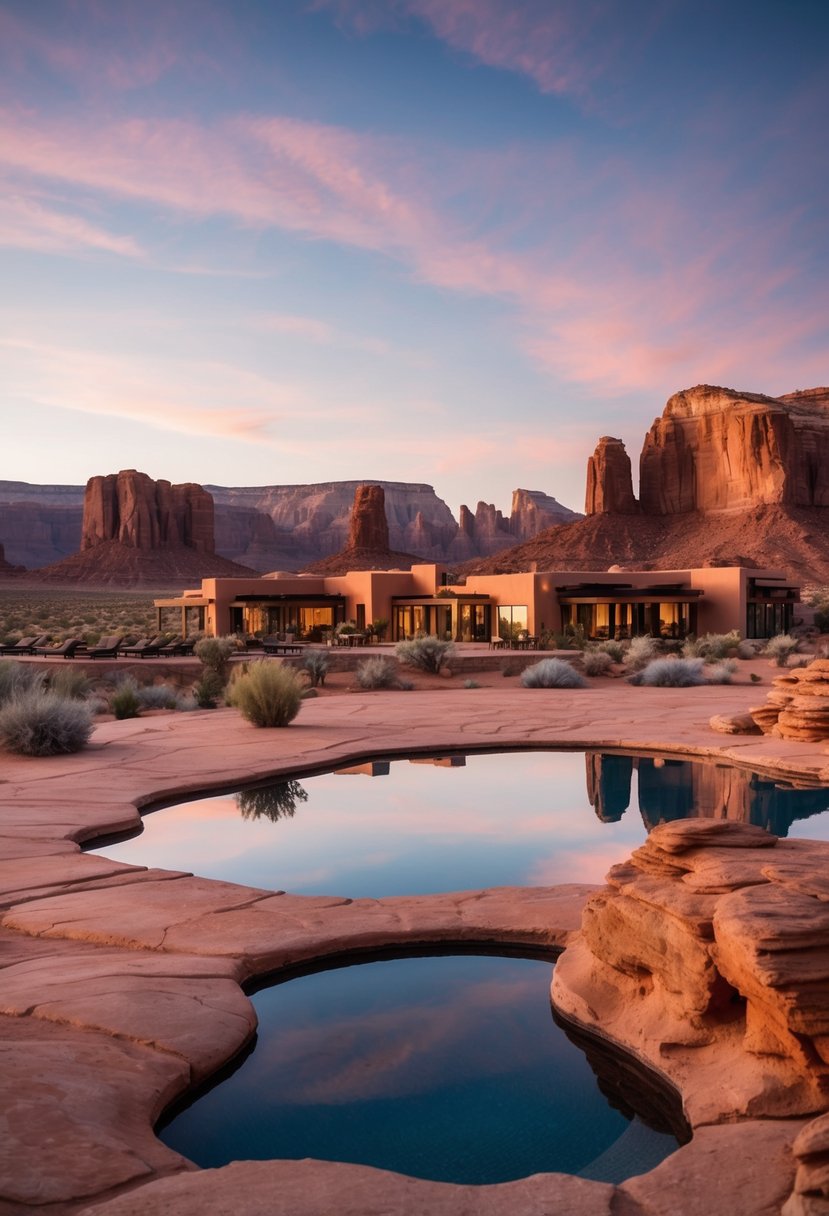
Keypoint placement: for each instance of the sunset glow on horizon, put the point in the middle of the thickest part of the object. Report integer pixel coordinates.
(444, 241)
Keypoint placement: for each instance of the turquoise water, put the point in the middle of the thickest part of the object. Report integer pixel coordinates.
(446, 1067)
(418, 827)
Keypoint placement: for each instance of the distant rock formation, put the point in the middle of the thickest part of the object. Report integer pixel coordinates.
(368, 539)
(132, 509)
(7, 567)
(757, 465)
(369, 527)
(288, 527)
(136, 530)
(609, 480)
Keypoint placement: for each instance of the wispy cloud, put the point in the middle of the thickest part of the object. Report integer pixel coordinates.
(26, 223)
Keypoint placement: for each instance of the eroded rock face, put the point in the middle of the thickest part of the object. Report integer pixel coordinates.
(798, 705)
(609, 480)
(132, 509)
(710, 941)
(532, 511)
(718, 449)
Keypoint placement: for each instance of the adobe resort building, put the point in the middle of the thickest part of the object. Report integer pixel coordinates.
(620, 604)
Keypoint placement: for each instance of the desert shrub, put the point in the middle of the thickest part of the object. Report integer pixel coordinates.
(552, 673)
(597, 662)
(125, 701)
(722, 673)
(209, 689)
(670, 673)
(471, 684)
(746, 650)
(266, 693)
(158, 696)
(615, 649)
(36, 722)
(213, 654)
(97, 705)
(16, 678)
(426, 653)
(641, 651)
(70, 682)
(316, 664)
(510, 667)
(379, 672)
(711, 646)
(780, 648)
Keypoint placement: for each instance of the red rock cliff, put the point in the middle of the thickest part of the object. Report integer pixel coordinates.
(369, 527)
(718, 449)
(132, 509)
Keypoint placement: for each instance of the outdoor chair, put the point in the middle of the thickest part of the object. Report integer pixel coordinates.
(66, 650)
(496, 643)
(106, 649)
(145, 648)
(25, 645)
(170, 648)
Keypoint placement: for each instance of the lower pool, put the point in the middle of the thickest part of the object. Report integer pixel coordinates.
(427, 825)
(445, 1067)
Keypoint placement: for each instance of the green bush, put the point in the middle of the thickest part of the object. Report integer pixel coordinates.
(16, 678)
(552, 673)
(125, 702)
(266, 693)
(427, 653)
(670, 673)
(209, 689)
(36, 722)
(597, 662)
(70, 682)
(214, 653)
(379, 672)
(615, 649)
(780, 648)
(316, 664)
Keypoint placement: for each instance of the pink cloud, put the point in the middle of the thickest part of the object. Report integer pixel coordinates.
(27, 224)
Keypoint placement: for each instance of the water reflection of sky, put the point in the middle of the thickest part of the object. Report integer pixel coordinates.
(508, 819)
(448, 1068)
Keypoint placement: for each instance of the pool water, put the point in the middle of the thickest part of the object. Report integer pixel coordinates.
(456, 823)
(445, 1067)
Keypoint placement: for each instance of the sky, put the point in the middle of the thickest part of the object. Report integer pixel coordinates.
(448, 241)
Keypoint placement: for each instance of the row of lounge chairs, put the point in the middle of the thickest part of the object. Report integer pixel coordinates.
(110, 647)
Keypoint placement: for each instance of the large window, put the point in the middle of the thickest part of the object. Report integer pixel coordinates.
(512, 621)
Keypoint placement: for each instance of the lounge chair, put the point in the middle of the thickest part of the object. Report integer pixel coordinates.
(145, 648)
(106, 649)
(187, 646)
(25, 645)
(66, 650)
(169, 648)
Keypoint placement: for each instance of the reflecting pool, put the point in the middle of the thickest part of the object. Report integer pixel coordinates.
(456, 823)
(446, 1067)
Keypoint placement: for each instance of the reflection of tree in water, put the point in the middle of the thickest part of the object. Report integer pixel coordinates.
(276, 801)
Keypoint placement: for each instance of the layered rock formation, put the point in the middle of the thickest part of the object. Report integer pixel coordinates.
(136, 530)
(368, 539)
(798, 705)
(132, 509)
(286, 527)
(759, 465)
(7, 567)
(708, 945)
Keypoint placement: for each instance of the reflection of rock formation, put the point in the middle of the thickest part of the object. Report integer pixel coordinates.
(440, 761)
(608, 785)
(683, 789)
